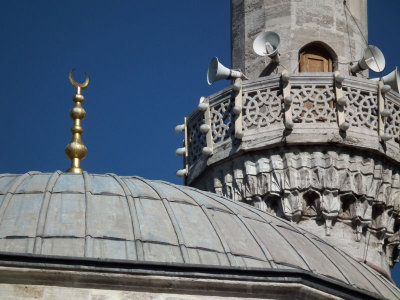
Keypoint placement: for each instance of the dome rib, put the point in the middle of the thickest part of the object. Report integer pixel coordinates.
(133, 214)
(10, 193)
(271, 225)
(139, 240)
(344, 255)
(44, 210)
(216, 229)
(388, 285)
(293, 247)
(310, 240)
(220, 235)
(359, 265)
(229, 255)
(327, 256)
(300, 254)
(172, 217)
(87, 183)
(267, 254)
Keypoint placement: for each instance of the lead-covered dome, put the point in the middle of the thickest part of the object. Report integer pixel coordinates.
(133, 219)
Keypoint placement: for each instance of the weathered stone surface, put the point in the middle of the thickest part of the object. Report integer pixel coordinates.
(358, 190)
(328, 185)
(298, 23)
(314, 113)
(67, 285)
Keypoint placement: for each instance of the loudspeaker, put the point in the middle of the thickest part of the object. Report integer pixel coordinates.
(266, 44)
(372, 59)
(217, 71)
(392, 79)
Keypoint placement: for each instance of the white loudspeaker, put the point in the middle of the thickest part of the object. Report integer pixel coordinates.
(372, 59)
(217, 71)
(393, 79)
(266, 44)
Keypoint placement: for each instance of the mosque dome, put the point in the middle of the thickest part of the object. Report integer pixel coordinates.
(132, 220)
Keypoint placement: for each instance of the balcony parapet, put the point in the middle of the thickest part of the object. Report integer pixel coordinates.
(315, 112)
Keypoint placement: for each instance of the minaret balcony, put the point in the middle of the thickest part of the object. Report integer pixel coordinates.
(319, 149)
(315, 118)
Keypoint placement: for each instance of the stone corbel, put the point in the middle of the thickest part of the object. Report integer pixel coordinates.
(292, 206)
(361, 213)
(237, 109)
(250, 180)
(258, 202)
(206, 127)
(228, 186)
(263, 176)
(330, 206)
(383, 194)
(382, 235)
(393, 245)
(359, 223)
(384, 222)
(382, 112)
(341, 102)
(238, 184)
(287, 100)
(218, 186)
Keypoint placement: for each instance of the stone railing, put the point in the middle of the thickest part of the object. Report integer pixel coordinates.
(351, 111)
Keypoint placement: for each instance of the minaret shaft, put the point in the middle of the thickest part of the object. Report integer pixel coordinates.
(298, 23)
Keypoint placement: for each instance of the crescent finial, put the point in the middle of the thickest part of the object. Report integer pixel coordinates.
(76, 84)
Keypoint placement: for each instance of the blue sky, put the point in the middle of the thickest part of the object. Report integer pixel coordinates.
(147, 62)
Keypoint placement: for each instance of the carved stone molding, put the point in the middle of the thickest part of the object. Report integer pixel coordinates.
(323, 186)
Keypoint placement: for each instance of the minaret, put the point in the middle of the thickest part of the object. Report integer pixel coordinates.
(305, 139)
(336, 26)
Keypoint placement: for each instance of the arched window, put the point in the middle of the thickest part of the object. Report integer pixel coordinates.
(316, 57)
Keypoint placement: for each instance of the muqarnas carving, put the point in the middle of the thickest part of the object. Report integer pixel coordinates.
(328, 186)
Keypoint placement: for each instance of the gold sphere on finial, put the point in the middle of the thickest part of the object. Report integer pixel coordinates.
(76, 150)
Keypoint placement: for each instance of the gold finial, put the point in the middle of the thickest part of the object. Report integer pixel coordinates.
(76, 150)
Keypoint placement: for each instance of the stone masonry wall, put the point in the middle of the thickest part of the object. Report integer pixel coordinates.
(298, 22)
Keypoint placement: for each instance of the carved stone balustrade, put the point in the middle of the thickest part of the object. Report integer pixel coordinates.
(314, 111)
(342, 183)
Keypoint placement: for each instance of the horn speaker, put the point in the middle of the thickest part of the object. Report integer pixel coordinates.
(393, 79)
(372, 59)
(267, 44)
(217, 71)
